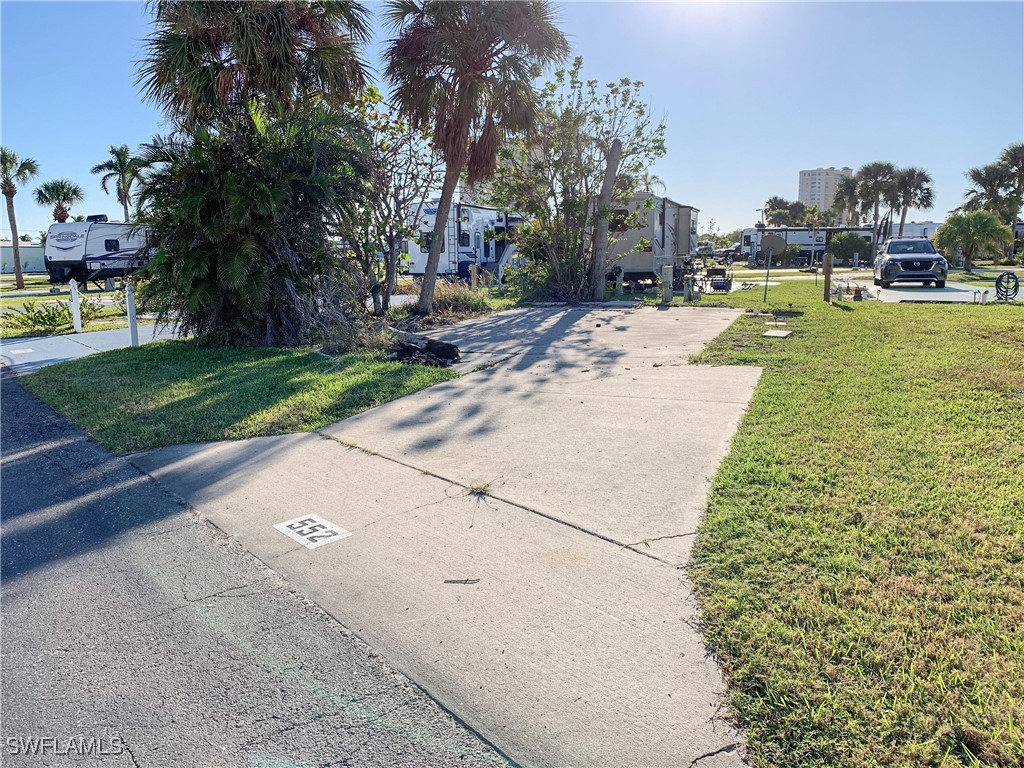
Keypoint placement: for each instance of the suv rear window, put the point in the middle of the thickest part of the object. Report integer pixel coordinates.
(910, 246)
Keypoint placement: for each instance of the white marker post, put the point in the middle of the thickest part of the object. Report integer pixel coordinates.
(76, 307)
(133, 325)
(666, 283)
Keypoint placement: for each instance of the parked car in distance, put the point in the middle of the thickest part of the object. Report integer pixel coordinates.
(910, 260)
(728, 255)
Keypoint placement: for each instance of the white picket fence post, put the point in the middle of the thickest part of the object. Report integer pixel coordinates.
(133, 325)
(76, 307)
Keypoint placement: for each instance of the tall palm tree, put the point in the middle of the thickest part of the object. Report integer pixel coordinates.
(913, 189)
(14, 171)
(61, 194)
(873, 180)
(206, 59)
(973, 234)
(466, 70)
(990, 185)
(122, 168)
(846, 199)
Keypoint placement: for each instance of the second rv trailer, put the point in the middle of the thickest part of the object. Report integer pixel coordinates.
(93, 250)
(475, 234)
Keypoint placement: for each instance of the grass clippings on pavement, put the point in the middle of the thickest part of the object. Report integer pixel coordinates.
(861, 564)
(168, 393)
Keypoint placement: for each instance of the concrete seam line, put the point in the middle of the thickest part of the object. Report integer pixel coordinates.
(531, 510)
(203, 519)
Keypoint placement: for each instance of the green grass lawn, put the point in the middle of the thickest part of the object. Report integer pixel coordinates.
(32, 283)
(176, 392)
(861, 564)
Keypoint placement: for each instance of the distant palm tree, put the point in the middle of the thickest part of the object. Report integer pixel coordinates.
(61, 194)
(973, 234)
(466, 70)
(913, 189)
(873, 181)
(814, 217)
(846, 199)
(776, 211)
(14, 171)
(649, 181)
(211, 58)
(990, 185)
(124, 169)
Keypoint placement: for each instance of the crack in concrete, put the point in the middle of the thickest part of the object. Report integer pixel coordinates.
(722, 750)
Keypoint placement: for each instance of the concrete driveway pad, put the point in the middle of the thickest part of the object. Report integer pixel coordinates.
(520, 611)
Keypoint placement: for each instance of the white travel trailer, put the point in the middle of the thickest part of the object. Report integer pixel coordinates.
(669, 229)
(812, 244)
(475, 234)
(93, 250)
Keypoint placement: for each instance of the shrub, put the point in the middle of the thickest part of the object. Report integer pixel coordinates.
(457, 297)
(534, 281)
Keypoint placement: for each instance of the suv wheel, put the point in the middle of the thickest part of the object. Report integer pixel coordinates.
(885, 283)
(877, 281)
(940, 283)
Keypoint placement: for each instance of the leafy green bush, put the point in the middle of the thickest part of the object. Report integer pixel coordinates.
(241, 219)
(51, 317)
(535, 281)
(44, 318)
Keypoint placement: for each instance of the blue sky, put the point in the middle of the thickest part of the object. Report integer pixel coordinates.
(751, 92)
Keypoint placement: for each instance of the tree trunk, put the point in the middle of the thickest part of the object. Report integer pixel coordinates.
(604, 203)
(451, 180)
(19, 279)
(124, 202)
(60, 214)
(903, 219)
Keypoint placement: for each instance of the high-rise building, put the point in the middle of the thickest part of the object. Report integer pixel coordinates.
(818, 187)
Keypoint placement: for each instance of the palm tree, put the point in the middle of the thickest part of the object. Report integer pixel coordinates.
(61, 194)
(873, 179)
(206, 59)
(122, 168)
(913, 189)
(648, 181)
(466, 70)
(776, 211)
(813, 217)
(14, 171)
(846, 199)
(973, 234)
(990, 185)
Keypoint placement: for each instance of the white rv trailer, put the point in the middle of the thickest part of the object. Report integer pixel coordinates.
(812, 244)
(475, 234)
(93, 250)
(670, 229)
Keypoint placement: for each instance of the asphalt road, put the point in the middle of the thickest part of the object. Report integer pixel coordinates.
(132, 627)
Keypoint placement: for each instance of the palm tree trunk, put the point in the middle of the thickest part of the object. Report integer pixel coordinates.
(19, 280)
(604, 203)
(451, 180)
(124, 202)
(903, 219)
(60, 214)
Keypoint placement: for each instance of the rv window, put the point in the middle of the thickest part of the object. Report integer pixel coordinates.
(617, 221)
(428, 238)
(112, 246)
(464, 239)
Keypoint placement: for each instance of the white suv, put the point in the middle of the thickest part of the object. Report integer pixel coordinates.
(910, 260)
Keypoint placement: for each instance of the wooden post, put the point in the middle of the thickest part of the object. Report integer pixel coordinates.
(472, 276)
(828, 278)
(76, 306)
